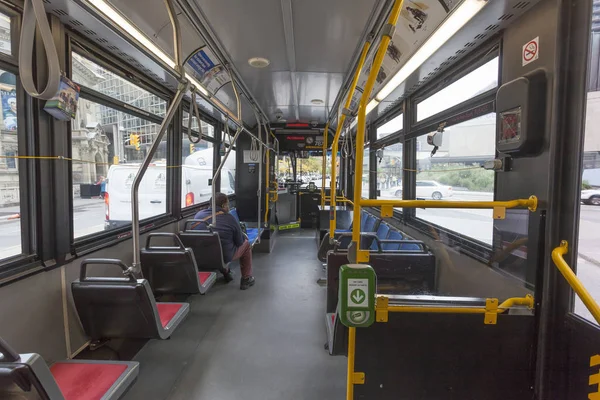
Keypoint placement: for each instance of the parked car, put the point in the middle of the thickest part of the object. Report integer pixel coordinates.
(591, 196)
(433, 190)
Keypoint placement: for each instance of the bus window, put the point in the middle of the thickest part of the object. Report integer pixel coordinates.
(389, 173)
(393, 126)
(588, 262)
(10, 197)
(366, 177)
(475, 83)
(455, 173)
(196, 164)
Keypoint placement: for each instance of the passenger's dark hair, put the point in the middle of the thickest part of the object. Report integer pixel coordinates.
(220, 199)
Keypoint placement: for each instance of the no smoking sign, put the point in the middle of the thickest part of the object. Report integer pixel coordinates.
(531, 51)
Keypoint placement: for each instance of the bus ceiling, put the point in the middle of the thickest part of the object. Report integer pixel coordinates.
(292, 60)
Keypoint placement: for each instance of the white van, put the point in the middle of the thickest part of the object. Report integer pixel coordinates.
(152, 192)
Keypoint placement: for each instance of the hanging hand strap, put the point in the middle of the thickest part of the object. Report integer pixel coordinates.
(34, 16)
(194, 110)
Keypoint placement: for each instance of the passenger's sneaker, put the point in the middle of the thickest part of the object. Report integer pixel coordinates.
(246, 282)
(228, 276)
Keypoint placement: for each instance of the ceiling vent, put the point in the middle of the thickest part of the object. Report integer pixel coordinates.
(505, 17)
(492, 28)
(521, 5)
(74, 22)
(60, 12)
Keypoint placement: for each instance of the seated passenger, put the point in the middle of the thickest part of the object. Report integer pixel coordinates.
(234, 245)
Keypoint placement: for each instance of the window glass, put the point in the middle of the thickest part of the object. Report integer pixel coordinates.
(107, 157)
(228, 171)
(91, 75)
(207, 129)
(588, 260)
(455, 173)
(5, 35)
(389, 172)
(10, 201)
(196, 167)
(392, 126)
(479, 81)
(366, 173)
(310, 170)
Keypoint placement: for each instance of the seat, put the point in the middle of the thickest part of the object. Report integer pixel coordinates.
(24, 376)
(370, 224)
(252, 233)
(122, 307)
(382, 233)
(396, 241)
(206, 246)
(173, 270)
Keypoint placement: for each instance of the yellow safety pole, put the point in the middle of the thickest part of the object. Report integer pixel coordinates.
(268, 193)
(336, 138)
(362, 256)
(574, 282)
(351, 356)
(324, 168)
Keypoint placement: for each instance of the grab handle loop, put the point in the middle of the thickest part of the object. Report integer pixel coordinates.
(34, 16)
(194, 111)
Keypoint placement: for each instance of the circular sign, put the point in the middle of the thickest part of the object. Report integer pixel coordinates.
(530, 50)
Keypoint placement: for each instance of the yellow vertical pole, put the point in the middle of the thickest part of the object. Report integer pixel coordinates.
(362, 256)
(338, 132)
(268, 192)
(324, 168)
(351, 356)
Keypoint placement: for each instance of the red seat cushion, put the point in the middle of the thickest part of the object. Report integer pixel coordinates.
(79, 381)
(166, 312)
(203, 276)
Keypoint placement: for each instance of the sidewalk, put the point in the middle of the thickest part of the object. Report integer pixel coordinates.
(8, 212)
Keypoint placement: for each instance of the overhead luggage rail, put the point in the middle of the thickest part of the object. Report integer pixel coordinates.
(573, 280)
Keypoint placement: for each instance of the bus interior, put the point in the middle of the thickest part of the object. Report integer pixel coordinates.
(417, 181)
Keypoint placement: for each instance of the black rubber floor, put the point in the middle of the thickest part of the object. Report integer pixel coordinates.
(265, 343)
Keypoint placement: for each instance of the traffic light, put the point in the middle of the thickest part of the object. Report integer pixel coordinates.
(192, 148)
(134, 140)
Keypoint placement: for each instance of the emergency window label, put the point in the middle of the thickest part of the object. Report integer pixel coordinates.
(358, 292)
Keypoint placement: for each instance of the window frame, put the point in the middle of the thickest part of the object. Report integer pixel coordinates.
(95, 241)
(29, 261)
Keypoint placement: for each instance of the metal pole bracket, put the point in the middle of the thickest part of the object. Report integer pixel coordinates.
(388, 30)
(358, 378)
(381, 309)
(491, 312)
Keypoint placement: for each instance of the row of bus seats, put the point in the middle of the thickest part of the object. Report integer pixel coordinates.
(403, 266)
(124, 307)
(390, 239)
(206, 244)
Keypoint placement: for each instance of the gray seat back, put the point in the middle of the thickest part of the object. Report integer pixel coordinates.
(115, 307)
(171, 269)
(206, 246)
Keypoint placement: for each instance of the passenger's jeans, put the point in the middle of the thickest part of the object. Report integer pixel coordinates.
(244, 254)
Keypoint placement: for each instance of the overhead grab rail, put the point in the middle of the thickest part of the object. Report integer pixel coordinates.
(194, 108)
(573, 280)
(338, 132)
(34, 17)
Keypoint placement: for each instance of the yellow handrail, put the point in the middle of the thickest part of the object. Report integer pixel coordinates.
(338, 132)
(267, 195)
(573, 280)
(531, 203)
(324, 167)
(360, 132)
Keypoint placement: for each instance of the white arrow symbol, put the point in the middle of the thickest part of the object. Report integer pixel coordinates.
(358, 296)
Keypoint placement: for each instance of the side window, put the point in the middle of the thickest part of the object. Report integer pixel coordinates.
(108, 146)
(455, 173)
(389, 173)
(196, 163)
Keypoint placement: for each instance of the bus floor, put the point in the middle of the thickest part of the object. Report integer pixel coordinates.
(265, 343)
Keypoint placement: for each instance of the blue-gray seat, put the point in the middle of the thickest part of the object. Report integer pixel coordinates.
(252, 233)
(395, 235)
(382, 234)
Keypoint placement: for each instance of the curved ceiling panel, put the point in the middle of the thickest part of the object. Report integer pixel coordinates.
(151, 17)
